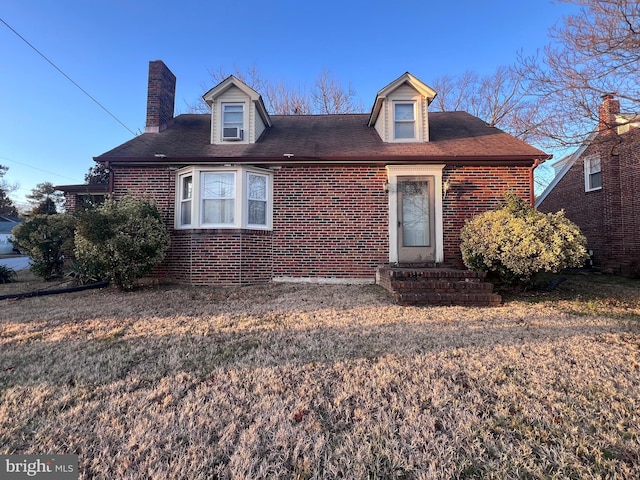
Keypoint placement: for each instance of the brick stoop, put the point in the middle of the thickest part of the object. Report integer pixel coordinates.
(431, 285)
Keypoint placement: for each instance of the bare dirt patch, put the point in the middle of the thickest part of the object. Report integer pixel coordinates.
(301, 381)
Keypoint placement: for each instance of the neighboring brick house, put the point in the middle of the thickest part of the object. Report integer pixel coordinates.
(597, 186)
(251, 197)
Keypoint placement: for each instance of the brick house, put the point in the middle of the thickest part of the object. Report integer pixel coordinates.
(597, 186)
(252, 197)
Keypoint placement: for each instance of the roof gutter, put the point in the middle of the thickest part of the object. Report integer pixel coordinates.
(452, 160)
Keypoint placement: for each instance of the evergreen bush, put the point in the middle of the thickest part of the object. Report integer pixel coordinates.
(47, 240)
(121, 241)
(517, 241)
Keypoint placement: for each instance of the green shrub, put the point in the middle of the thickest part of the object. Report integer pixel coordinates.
(121, 241)
(7, 274)
(46, 239)
(517, 241)
(83, 273)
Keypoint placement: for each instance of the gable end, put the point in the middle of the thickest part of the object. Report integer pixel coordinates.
(400, 113)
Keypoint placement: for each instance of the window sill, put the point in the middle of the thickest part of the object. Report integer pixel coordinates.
(223, 231)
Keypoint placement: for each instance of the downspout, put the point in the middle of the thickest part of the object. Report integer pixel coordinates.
(532, 196)
(108, 167)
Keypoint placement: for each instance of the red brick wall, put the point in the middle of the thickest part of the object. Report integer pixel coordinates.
(475, 190)
(160, 96)
(220, 257)
(327, 222)
(330, 221)
(629, 170)
(70, 202)
(156, 183)
(609, 217)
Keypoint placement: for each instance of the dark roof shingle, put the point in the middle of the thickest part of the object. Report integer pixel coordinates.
(326, 137)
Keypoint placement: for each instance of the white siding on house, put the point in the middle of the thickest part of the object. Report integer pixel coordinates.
(385, 122)
(257, 123)
(231, 95)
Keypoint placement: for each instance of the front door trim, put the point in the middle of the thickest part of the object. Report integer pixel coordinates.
(395, 171)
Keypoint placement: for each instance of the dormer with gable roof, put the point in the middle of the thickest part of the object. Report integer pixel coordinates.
(400, 113)
(238, 113)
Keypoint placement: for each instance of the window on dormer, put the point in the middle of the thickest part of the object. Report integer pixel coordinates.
(232, 121)
(404, 118)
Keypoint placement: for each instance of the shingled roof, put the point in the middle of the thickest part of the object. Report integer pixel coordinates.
(454, 137)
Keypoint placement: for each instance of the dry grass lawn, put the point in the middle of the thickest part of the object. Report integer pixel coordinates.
(321, 382)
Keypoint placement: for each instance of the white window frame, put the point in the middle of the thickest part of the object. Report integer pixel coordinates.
(184, 199)
(264, 199)
(589, 170)
(232, 196)
(413, 121)
(241, 198)
(226, 124)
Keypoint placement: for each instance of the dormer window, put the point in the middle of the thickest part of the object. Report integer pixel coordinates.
(238, 113)
(232, 121)
(404, 120)
(401, 111)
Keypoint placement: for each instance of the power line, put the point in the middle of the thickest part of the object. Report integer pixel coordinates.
(36, 168)
(67, 77)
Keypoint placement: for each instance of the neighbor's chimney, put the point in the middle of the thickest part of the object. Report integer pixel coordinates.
(609, 108)
(160, 97)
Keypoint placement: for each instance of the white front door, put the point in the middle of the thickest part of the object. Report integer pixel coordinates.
(415, 213)
(416, 242)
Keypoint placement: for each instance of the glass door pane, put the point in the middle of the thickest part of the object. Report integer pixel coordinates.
(415, 213)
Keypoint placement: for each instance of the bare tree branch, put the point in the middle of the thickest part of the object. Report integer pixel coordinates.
(328, 96)
(593, 53)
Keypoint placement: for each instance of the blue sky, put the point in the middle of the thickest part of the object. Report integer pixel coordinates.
(50, 130)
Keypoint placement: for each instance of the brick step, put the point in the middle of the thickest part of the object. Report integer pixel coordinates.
(448, 299)
(423, 285)
(431, 273)
(441, 285)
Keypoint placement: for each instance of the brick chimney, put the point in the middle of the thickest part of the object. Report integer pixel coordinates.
(609, 108)
(160, 97)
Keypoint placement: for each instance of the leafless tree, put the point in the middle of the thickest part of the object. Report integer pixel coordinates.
(327, 96)
(330, 97)
(284, 100)
(500, 99)
(593, 52)
(455, 93)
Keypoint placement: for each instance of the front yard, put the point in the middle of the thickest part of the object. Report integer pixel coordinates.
(301, 382)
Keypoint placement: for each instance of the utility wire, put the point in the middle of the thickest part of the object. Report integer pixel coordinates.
(67, 76)
(36, 168)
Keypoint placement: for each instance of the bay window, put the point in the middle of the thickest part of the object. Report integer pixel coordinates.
(223, 197)
(257, 199)
(218, 193)
(186, 195)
